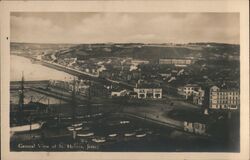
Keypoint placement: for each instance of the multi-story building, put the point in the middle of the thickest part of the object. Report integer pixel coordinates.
(176, 61)
(81, 88)
(188, 90)
(148, 92)
(224, 98)
(137, 62)
(198, 97)
(194, 92)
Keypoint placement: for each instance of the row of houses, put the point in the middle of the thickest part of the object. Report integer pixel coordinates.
(140, 92)
(121, 75)
(143, 92)
(177, 62)
(218, 98)
(224, 98)
(84, 88)
(195, 127)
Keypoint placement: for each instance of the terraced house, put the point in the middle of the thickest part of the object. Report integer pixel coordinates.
(224, 98)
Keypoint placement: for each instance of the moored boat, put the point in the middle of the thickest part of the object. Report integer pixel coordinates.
(27, 127)
(129, 134)
(71, 128)
(99, 139)
(140, 135)
(77, 125)
(124, 122)
(85, 134)
(113, 135)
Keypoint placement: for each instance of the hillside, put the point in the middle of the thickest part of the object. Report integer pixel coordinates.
(139, 51)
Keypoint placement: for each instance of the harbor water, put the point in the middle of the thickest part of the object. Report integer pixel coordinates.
(33, 71)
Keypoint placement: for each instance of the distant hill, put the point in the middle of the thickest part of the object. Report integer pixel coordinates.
(15, 45)
(135, 50)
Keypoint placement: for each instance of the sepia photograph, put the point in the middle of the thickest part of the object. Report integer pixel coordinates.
(125, 82)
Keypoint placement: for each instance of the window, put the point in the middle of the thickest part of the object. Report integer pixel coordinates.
(142, 95)
(150, 95)
(233, 107)
(157, 95)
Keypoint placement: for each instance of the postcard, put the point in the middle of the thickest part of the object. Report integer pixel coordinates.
(125, 80)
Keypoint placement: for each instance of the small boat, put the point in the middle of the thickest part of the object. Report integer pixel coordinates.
(27, 127)
(97, 114)
(77, 125)
(99, 139)
(141, 135)
(129, 134)
(78, 128)
(113, 135)
(124, 122)
(85, 134)
(71, 128)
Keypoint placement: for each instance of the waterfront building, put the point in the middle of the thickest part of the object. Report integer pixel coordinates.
(224, 98)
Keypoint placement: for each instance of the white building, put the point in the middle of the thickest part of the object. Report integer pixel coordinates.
(119, 93)
(136, 62)
(155, 93)
(224, 99)
(198, 96)
(176, 61)
(189, 90)
(198, 128)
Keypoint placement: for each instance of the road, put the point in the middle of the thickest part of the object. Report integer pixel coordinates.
(160, 120)
(157, 111)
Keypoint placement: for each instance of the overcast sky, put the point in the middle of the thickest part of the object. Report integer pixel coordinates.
(124, 27)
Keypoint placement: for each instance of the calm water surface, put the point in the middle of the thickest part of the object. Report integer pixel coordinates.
(33, 71)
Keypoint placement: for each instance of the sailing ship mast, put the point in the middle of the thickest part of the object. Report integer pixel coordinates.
(21, 96)
(24, 121)
(74, 108)
(74, 101)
